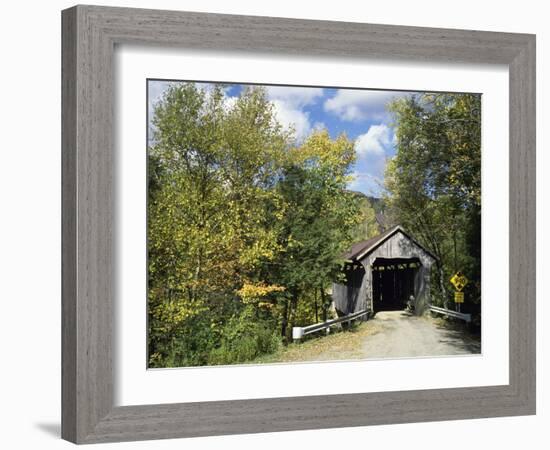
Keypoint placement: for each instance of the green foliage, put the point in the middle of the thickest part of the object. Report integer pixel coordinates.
(245, 227)
(317, 223)
(434, 182)
(244, 338)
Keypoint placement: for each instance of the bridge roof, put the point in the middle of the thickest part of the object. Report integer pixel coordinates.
(360, 249)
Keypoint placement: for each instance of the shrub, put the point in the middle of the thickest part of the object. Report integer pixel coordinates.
(244, 339)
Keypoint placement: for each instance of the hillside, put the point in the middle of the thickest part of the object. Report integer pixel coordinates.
(376, 215)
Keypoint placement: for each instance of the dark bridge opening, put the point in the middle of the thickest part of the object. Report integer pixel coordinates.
(393, 282)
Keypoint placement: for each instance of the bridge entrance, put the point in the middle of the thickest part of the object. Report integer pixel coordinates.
(393, 282)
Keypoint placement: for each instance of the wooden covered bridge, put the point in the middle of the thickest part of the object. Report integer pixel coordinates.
(383, 272)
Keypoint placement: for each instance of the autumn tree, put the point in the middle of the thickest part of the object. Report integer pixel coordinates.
(317, 225)
(212, 167)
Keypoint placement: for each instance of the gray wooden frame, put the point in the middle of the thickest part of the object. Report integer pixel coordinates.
(89, 36)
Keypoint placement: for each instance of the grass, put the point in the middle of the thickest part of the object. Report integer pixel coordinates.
(339, 345)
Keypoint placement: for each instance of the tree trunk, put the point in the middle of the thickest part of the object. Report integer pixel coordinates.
(284, 322)
(442, 285)
(292, 314)
(325, 306)
(455, 253)
(316, 308)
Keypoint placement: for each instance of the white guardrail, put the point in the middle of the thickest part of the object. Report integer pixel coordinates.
(299, 332)
(455, 314)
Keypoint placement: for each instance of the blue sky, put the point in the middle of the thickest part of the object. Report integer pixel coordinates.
(360, 113)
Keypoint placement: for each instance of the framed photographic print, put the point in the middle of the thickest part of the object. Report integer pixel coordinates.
(267, 229)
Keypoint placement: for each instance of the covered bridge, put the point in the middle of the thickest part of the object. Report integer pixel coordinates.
(382, 273)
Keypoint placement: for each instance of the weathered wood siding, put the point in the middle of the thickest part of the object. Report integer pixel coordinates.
(349, 299)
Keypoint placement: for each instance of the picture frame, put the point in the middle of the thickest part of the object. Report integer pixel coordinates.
(89, 37)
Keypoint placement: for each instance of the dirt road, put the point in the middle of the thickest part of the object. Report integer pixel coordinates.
(403, 335)
(390, 334)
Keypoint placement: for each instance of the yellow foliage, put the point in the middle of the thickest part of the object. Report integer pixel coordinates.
(173, 313)
(253, 293)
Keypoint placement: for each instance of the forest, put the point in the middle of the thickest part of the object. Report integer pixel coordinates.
(247, 225)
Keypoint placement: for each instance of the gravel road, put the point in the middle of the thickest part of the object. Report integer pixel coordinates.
(404, 335)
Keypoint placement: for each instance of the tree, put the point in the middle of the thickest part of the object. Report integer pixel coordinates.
(319, 218)
(434, 180)
(212, 168)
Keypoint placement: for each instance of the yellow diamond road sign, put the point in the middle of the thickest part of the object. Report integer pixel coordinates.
(459, 281)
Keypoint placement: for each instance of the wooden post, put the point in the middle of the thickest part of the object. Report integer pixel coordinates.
(297, 334)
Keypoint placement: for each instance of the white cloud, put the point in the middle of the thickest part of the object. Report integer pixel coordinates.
(366, 183)
(295, 96)
(229, 102)
(373, 152)
(354, 105)
(289, 103)
(318, 126)
(357, 179)
(295, 118)
(374, 141)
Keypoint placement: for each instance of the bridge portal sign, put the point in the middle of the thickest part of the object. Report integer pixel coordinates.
(459, 281)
